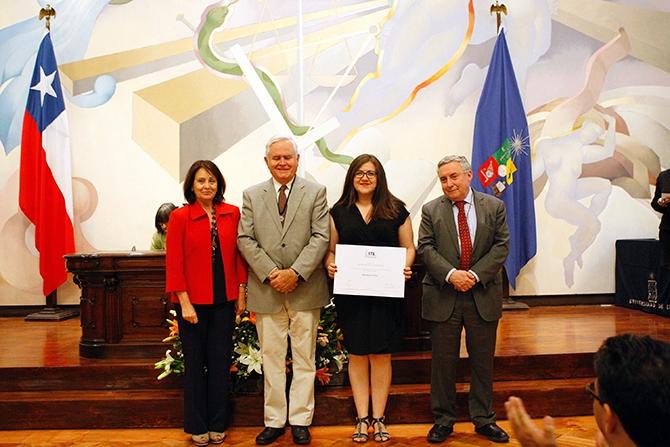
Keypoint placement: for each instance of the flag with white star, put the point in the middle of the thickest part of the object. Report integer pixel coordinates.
(45, 186)
(501, 161)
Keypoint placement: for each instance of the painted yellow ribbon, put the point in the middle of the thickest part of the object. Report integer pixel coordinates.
(437, 75)
(380, 56)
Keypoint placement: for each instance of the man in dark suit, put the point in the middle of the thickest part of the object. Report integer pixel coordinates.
(463, 242)
(662, 204)
(283, 235)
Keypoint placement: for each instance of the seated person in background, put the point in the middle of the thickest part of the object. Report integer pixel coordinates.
(631, 397)
(161, 221)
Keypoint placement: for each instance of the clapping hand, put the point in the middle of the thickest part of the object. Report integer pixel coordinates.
(526, 432)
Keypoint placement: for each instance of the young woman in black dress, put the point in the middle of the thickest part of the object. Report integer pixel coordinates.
(368, 214)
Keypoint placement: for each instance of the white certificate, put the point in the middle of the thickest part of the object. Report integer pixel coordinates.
(370, 271)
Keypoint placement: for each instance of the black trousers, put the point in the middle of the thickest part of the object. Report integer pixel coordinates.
(480, 341)
(207, 347)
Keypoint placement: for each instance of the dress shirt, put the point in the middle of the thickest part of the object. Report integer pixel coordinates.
(277, 185)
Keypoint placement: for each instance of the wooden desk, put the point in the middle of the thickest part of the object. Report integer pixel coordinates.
(123, 303)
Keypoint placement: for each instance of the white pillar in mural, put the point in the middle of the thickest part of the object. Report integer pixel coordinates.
(301, 67)
(274, 114)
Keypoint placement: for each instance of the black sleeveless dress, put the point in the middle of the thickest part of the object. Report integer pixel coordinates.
(369, 324)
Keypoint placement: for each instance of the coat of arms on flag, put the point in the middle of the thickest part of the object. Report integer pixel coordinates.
(498, 170)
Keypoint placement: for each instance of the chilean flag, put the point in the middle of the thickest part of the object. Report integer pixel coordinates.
(45, 188)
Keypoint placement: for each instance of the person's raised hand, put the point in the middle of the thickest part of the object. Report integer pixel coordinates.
(525, 430)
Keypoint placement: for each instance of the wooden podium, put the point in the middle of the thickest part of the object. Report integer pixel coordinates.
(123, 303)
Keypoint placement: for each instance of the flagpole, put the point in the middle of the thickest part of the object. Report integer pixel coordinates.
(51, 311)
(508, 303)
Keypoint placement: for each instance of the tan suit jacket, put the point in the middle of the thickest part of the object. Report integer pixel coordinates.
(300, 244)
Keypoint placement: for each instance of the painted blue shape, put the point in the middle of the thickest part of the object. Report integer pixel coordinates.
(70, 32)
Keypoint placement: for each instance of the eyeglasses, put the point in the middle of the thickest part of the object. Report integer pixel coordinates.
(591, 389)
(369, 174)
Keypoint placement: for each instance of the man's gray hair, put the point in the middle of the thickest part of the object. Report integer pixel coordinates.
(465, 164)
(277, 139)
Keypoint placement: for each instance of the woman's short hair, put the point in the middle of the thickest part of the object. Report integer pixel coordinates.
(211, 168)
(163, 215)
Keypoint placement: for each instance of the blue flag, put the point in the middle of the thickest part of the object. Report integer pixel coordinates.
(501, 156)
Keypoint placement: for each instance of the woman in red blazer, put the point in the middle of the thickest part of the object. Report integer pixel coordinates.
(207, 277)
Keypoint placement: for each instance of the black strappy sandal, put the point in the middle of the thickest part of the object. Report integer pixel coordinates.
(361, 431)
(380, 433)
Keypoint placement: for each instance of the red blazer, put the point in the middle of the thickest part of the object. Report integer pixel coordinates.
(188, 255)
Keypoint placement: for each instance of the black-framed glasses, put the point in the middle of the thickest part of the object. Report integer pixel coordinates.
(591, 389)
(368, 174)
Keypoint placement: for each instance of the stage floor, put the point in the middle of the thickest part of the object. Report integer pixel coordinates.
(570, 432)
(540, 330)
(544, 356)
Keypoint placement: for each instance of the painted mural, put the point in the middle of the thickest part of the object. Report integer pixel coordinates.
(152, 86)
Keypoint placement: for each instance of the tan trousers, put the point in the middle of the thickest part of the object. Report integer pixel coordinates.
(273, 332)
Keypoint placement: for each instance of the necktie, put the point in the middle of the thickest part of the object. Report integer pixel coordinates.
(464, 236)
(281, 202)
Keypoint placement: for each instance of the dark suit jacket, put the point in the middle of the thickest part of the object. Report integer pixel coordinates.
(299, 244)
(662, 185)
(438, 248)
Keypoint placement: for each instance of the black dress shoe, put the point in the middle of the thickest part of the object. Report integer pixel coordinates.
(439, 433)
(269, 435)
(300, 434)
(493, 432)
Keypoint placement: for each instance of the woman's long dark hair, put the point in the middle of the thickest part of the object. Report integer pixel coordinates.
(385, 205)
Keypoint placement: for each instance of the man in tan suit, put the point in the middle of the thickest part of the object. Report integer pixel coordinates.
(283, 234)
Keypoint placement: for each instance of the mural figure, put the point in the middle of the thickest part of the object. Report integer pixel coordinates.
(562, 151)
(563, 158)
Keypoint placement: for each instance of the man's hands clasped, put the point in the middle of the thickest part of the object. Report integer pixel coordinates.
(462, 280)
(283, 281)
